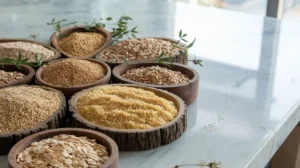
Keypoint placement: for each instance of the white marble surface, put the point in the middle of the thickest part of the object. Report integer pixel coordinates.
(249, 95)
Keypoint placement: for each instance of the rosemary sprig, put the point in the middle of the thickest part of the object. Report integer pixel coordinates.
(183, 50)
(19, 61)
(57, 25)
(119, 29)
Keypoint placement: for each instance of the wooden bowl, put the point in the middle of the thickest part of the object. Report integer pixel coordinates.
(137, 139)
(25, 69)
(56, 120)
(176, 57)
(187, 91)
(55, 38)
(69, 91)
(112, 162)
(56, 53)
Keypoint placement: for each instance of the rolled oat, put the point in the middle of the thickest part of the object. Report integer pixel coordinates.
(9, 77)
(64, 151)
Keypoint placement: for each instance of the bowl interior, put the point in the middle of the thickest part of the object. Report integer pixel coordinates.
(11, 68)
(167, 95)
(100, 138)
(122, 69)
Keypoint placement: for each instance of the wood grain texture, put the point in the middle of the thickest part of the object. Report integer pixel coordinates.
(56, 120)
(55, 38)
(134, 140)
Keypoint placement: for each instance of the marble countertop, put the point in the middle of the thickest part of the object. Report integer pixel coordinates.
(249, 99)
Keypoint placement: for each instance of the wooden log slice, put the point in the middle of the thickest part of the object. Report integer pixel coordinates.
(57, 36)
(176, 57)
(56, 120)
(137, 139)
(56, 53)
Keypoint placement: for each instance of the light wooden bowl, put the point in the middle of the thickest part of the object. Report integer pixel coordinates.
(55, 38)
(187, 91)
(112, 162)
(137, 139)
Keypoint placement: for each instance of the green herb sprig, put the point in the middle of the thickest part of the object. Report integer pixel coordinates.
(119, 29)
(57, 25)
(18, 62)
(183, 50)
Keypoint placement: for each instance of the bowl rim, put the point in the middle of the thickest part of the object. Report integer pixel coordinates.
(57, 54)
(118, 75)
(99, 55)
(181, 109)
(114, 155)
(28, 76)
(54, 40)
(61, 106)
(38, 74)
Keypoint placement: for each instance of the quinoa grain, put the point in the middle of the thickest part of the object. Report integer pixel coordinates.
(81, 43)
(72, 73)
(24, 107)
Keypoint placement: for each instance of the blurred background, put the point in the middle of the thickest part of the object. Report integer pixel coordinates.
(289, 9)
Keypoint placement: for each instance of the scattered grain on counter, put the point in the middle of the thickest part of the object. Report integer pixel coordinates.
(81, 43)
(156, 75)
(73, 72)
(125, 107)
(138, 49)
(27, 49)
(9, 77)
(64, 151)
(24, 107)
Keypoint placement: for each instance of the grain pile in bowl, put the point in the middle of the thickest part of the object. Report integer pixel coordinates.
(9, 77)
(125, 107)
(156, 75)
(27, 49)
(81, 43)
(72, 73)
(138, 49)
(24, 107)
(64, 151)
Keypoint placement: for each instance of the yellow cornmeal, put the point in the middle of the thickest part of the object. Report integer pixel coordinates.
(125, 107)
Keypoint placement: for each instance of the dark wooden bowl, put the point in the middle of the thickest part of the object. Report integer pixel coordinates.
(25, 69)
(69, 91)
(187, 91)
(176, 57)
(56, 53)
(56, 120)
(112, 162)
(137, 139)
(56, 37)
